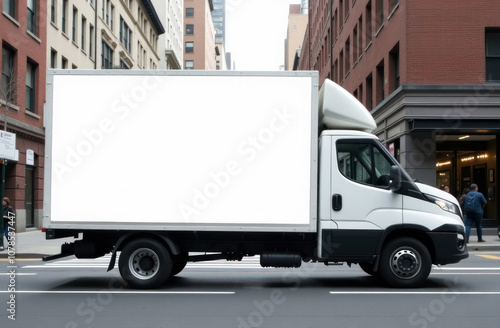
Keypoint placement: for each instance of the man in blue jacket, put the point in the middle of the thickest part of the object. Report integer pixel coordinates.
(473, 209)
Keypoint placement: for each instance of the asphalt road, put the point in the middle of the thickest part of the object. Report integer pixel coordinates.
(80, 293)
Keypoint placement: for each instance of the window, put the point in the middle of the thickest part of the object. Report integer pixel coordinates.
(91, 41)
(189, 29)
(394, 68)
(364, 162)
(73, 28)
(125, 35)
(9, 6)
(53, 11)
(369, 29)
(111, 18)
(64, 16)
(380, 83)
(379, 18)
(30, 85)
(348, 55)
(189, 64)
(189, 47)
(355, 43)
(189, 12)
(492, 55)
(108, 12)
(369, 92)
(84, 30)
(123, 65)
(8, 87)
(32, 21)
(53, 58)
(64, 63)
(106, 56)
(393, 4)
(360, 36)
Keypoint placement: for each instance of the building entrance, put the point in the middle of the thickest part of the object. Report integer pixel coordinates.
(461, 162)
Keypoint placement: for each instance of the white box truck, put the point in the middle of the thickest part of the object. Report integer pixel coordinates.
(168, 167)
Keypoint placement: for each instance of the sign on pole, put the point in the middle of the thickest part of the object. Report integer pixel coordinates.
(8, 145)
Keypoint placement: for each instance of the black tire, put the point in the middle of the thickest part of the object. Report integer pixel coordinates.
(368, 268)
(404, 262)
(145, 263)
(178, 267)
(180, 262)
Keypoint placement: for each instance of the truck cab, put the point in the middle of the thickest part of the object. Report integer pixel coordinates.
(370, 210)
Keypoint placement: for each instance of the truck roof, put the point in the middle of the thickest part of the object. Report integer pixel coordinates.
(347, 133)
(338, 109)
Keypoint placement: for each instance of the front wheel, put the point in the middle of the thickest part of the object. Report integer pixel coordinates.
(405, 262)
(145, 263)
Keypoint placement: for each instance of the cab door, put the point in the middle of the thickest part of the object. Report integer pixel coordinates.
(362, 204)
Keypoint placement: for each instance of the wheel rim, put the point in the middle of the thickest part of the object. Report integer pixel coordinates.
(405, 263)
(144, 263)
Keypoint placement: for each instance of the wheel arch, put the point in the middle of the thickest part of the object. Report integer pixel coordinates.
(413, 231)
(168, 242)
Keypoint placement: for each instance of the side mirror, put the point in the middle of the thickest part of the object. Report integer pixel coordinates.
(395, 183)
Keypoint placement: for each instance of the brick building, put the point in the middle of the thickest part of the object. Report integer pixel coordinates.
(297, 22)
(429, 72)
(199, 35)
(23, 36)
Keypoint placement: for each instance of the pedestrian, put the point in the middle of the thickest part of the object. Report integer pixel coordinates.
(462, 198)
(445, 188)
(8, 213)
(474, 204)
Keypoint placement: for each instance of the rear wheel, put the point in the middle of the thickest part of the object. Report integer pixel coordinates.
(145, 263)
(405, 262)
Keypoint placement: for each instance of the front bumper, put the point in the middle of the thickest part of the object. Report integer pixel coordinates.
(450, 246)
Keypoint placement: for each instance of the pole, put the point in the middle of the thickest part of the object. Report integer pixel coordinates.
(2, 192)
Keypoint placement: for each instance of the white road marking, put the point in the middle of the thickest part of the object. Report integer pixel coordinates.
(465, 269)
(411, 293)
(117, 292)
(19, 274)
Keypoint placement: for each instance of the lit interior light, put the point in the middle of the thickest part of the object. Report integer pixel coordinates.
(439, 164)
(463, 137)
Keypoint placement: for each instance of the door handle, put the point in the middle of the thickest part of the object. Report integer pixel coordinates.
(337, 202)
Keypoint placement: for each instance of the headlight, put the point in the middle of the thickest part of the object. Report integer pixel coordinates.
(444, 204)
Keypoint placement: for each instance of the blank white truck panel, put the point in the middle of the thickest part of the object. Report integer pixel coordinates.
(178, 150)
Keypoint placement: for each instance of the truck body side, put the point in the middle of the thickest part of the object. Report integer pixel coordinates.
(243, 176)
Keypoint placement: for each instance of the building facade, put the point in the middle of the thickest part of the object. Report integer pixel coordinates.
(103, 34)
(429, 72)
(22, 96)
(199, 35)
(297, 23)
(219, 20)
(170, 43)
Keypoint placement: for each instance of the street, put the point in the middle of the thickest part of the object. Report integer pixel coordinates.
(80, 293)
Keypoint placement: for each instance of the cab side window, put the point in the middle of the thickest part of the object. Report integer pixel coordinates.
(363, 162)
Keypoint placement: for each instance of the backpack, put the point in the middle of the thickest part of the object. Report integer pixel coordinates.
(470, 205)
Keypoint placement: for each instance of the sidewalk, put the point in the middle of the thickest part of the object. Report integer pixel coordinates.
(32, 244)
